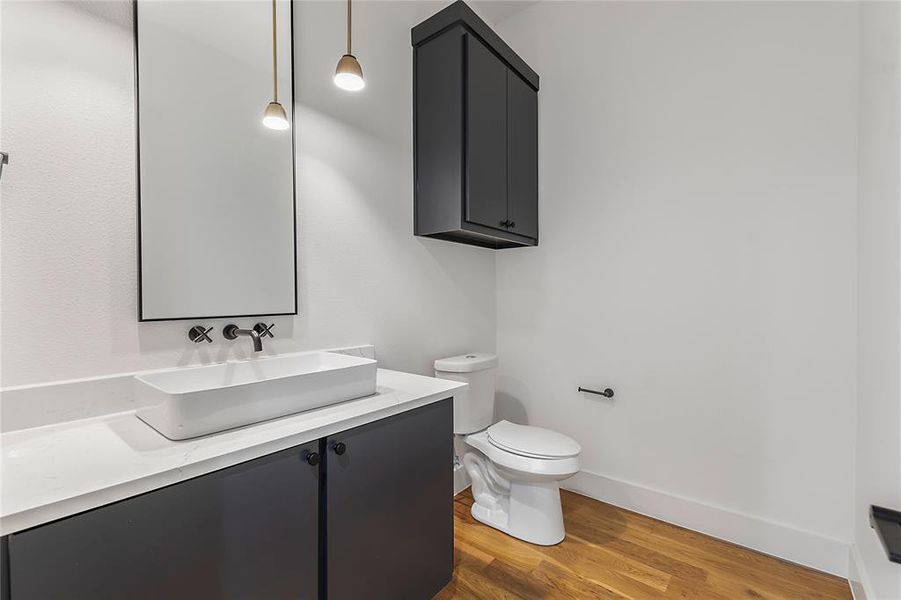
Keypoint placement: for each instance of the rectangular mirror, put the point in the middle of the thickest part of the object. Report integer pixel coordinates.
(215, 186)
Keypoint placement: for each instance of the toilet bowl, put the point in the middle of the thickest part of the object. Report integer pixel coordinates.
(515, 469)
(515, 472)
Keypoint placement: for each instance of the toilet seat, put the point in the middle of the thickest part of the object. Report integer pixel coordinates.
(526, 465)
(532, 442)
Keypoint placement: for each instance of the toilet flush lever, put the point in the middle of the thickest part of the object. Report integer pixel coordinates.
(607, 393)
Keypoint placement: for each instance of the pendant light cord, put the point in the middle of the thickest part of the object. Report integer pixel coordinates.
(274, 59)
(348, 27)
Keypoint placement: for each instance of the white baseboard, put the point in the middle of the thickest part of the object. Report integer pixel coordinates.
(857, 576)
(777, 539)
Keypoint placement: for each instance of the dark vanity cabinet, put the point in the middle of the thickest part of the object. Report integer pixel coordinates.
(475, 134)
(363, 514)
(389, 492)
(245, 531)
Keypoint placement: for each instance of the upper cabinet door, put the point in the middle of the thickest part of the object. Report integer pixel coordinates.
(486, 136)
(522, 156)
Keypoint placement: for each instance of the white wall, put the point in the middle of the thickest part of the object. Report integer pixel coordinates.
(878, 469)
(67, 221)
(698, 253)
(698, 208)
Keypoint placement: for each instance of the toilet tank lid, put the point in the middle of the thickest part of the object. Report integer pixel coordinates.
(467, 363)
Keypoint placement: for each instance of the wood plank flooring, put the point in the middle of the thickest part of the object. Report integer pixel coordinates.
(613, 553)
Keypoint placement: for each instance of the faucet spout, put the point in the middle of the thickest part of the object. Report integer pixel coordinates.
(257, 341)
(232, 331)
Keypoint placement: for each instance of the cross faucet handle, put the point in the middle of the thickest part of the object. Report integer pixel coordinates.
(264, 330)
(198, 334)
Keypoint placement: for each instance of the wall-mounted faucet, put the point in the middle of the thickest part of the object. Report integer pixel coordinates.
(231, 332)
(259, 331)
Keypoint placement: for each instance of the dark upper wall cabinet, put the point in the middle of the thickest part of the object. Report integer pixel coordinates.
(475, 123)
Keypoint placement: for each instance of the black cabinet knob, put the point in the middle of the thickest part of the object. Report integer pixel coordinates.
(312, 458)
(512, 223)
(505, 223)
(339, 448)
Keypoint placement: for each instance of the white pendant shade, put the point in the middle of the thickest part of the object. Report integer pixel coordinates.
(275, 117)
(349, 74)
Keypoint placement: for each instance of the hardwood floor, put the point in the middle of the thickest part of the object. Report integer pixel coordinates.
(613, 553)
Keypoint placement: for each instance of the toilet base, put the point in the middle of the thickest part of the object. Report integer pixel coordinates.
(533, 514)
(516, 494)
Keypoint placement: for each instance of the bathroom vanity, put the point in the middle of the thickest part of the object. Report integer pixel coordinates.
(353, 500)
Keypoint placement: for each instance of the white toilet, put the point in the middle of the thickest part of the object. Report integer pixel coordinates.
(515, 469)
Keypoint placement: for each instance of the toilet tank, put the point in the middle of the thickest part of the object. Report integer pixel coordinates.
(474, 408)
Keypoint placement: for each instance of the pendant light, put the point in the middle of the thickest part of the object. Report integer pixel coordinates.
(349, 74)
(275, 116)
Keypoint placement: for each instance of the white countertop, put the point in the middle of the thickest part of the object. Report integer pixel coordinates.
(62, 469)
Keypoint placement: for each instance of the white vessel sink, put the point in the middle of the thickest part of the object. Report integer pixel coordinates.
(190, 402)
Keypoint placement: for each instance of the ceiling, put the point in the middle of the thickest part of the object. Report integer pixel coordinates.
(495, 11)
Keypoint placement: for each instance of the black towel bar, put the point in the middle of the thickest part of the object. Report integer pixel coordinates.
(607, 393)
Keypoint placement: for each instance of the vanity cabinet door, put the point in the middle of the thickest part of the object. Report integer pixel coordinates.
(248, 531)
(389, 507)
